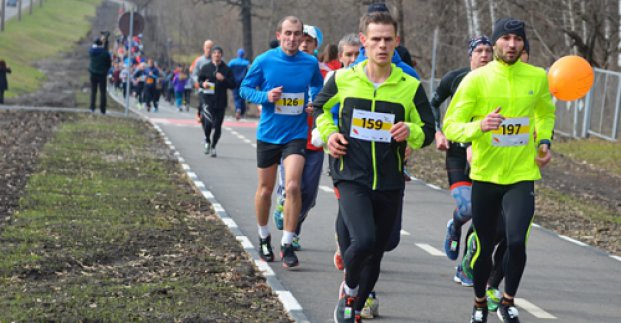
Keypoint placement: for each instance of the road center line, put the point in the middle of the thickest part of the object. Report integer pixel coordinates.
(431, 250)
(533, 309)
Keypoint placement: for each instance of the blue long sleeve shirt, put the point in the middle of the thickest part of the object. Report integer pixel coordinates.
(298, 75)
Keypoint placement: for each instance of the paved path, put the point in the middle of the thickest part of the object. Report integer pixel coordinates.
(564, 281)
(12, 11)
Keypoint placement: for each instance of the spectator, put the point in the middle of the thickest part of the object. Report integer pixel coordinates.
(99, 65)
(4, 83)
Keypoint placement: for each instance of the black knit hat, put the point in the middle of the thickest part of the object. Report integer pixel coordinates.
(505, 26)
(377, 7)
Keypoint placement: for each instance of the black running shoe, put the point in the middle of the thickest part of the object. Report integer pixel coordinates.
(265, 249)
(507, 312)
(479, 313)
(287, 254)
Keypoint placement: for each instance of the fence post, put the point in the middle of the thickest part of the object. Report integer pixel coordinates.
(587, 115)
(3, 10)
(615, 121)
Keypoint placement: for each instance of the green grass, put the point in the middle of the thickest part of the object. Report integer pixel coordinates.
(599, 153)
(50, 29)
(590, 211)
(108, 229)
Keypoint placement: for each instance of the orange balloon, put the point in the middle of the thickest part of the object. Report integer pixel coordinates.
(570, 78)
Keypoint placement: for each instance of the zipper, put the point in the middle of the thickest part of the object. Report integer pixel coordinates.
(373, 144)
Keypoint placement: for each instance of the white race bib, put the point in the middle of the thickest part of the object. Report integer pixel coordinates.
(210, 89)
(371, 126)
(512, 132)
(290, 104)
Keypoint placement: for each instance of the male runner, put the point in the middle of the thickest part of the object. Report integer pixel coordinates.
(480, 53)
(214, 79)
(381, 111)
(314, 156)
(498, 108)
(283, 76)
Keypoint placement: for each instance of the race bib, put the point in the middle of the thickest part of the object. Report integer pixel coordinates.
(290, 104)
(210, 89)
(512, 132)
(371, 126)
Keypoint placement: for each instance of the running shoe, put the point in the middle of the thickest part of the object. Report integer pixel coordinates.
(278, 212)
(213, 152)
(471, 249)
(344, 310)
(479, 314)
(461, 278)
(265, 249)
(371, 307)
(237, 115)
(451, 242)
(207, 148)
(338, 260)
(493, 298)
(406, 175)
(296, 243)
(507, 312)
(288, 257)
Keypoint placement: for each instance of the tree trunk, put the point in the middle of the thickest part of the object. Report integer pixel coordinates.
(400, 20)
(469, 17)
(492, 11)
(246, 19)
(475, 18)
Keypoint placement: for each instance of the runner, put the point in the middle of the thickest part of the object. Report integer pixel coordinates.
(214, 78)
(239, 67)
(152, 75)
(284, 76)
(487, 111)
(195, 67)
(480, 53)
(381, 111)
(314, 157)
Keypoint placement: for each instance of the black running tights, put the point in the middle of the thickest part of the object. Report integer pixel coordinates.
(369, 216)
(517, 203)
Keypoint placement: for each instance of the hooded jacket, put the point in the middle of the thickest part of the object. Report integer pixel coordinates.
(100, 61)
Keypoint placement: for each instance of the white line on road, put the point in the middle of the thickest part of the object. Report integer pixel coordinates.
(434, 187)
(291, 304)
(207, 194)
(185, 166)
(431, 250)
(254, 145)
(245, 242)
(229, 223)
(615, 257)
(199, 184)
(247, 141)
(217, 207)
(574, 241)
(405, 233)
(264, 268)
(326, 189)
(533, 309)
(192, 175)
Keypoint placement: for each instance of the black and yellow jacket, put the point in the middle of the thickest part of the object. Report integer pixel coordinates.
(378, 165)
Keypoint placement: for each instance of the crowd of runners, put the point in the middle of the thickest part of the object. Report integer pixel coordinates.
(361, 102)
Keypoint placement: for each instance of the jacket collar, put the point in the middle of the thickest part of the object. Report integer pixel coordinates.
(396, 74)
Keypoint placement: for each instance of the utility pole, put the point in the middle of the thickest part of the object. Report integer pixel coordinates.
(19, 10)
(30, 7)
(2, 14)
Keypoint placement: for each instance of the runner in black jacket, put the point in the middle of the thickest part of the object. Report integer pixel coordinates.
(214, 79)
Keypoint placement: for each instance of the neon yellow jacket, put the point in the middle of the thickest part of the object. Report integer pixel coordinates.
(378, 165)
(521, 90)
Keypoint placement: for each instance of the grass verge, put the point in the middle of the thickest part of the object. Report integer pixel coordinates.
(108, 229)
(598, 153)
(53, 28)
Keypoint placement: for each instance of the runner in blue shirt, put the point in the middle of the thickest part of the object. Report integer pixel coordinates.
(280, 80)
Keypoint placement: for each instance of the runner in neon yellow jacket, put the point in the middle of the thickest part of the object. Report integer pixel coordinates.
(521, 92)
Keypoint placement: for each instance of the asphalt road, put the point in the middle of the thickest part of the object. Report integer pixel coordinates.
(563, 282)
(12, 11)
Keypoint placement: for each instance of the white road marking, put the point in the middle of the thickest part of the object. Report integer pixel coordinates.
(217, 207)
(207, 194)
(230, 223)
(264, 268)
(615, 257)
(291, 304)
(245, 242)
(431, 250)
(199, 184)
(192, 175)
(434, 187)
(404, 233)
(254, 145)
(574, 241)
(326, 189)
(248, 141)
(185, 166)
(533, 309)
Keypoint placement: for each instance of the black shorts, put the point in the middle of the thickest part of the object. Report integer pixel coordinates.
(456, 164)
(270, 154)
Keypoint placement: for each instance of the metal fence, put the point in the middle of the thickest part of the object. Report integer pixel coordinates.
(597, 114)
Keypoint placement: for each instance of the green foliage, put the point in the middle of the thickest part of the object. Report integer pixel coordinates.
(51, 29)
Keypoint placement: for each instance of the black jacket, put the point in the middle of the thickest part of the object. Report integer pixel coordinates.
(218, 100)
(100, 61)
(4, 83)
